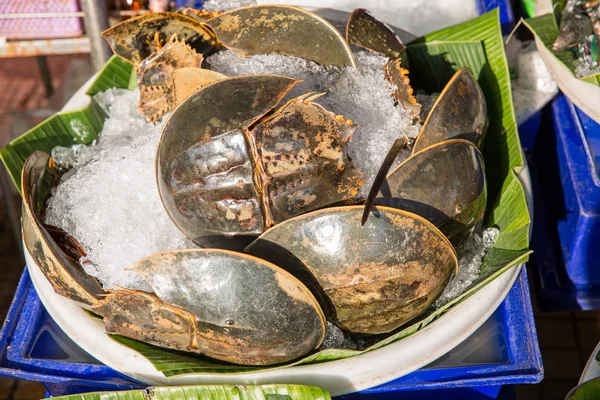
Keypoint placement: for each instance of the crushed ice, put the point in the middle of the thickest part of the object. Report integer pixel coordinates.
(470, 258)
(109, 200)
(490, 236)
(335, 338)
(360, 94)
(72, 156)
(225, 5)
(426, 101)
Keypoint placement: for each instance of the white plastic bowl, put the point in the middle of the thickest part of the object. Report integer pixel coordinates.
(338, 377)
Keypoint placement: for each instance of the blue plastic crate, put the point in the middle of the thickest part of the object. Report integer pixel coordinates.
(566, 237)
(507, 17)
(503, 351)
(197, 4)
(528, 131)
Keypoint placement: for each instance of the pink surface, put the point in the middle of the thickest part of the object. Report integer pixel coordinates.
(39, 28)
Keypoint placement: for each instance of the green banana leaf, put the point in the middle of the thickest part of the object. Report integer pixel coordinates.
(589, 390)
(117, 73)
(546, 28)
(67, 128)
(433, 59)
(212, 392)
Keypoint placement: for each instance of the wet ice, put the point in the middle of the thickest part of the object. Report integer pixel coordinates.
(109, 201)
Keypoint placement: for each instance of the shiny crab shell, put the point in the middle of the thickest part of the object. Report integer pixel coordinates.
(226, 169)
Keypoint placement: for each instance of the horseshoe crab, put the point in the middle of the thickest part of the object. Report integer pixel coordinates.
(459, 112)
(444, 183)
(64, 273)
(155, 78)
(268, 29)
(400, 268)
(364, 30)
(212, 297)
(170, 76)
(216, 310)
(263, 170)
(444, 179)
(135, 39)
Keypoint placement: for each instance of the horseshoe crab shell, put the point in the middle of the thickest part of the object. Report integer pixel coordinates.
(203, 165)
(378, 276)
(223, 171)
(155, 77)
(226, 305)
(280, 29)
(444, 183)
(133, 39)
(64, 273)
(187, 81)
(301, 149)
(460, 112)
(364, 30)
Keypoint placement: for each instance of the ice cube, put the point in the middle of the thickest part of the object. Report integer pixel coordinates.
(490, 236)
(470, 258)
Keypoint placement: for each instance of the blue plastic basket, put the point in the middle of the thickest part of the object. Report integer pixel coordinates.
(503, 351)
(507, 17)
(566, 238)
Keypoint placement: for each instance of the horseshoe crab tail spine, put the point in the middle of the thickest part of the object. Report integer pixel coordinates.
(391, 156)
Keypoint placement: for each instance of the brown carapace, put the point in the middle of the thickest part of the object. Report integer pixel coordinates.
(155, 79)
(378, 276)
(263, 169)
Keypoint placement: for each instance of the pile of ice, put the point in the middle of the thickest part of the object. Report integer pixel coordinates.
(225, 5)
(335, 338)
(109, 201)
(584, 64)
(361, 94)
